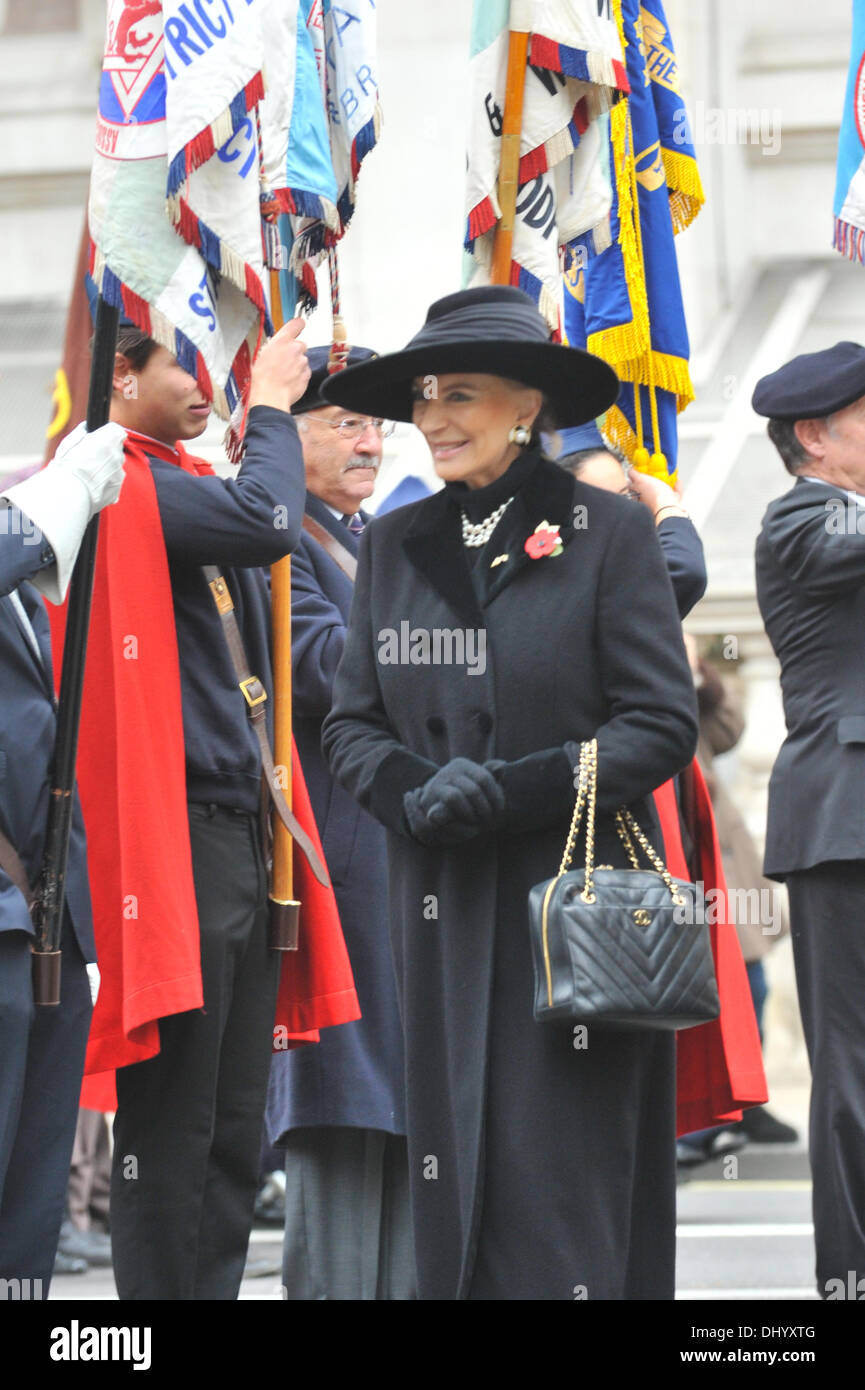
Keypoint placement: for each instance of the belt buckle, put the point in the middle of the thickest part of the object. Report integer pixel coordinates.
(253, 700)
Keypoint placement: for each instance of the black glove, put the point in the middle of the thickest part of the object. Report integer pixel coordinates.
(539, 790)
(460, 801)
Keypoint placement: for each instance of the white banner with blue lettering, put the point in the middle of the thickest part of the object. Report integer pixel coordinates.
(573, 71)
(193, 280)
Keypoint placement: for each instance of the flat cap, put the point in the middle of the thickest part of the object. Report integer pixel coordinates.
(814, 384)
(312, 398)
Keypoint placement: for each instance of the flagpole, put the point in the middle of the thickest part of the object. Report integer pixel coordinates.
(512, 121)
(285, 907)
(51, 894)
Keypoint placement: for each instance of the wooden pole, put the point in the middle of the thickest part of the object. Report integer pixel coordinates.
(509, 164)
(284, 917)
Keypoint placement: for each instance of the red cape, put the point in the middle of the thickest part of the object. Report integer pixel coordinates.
(132, 782)
(719, 1066)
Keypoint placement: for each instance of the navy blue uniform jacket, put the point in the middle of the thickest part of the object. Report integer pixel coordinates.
(354, 1076)
(27, 731)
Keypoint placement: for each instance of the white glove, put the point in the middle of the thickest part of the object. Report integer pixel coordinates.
(84, 476)
(94, 979)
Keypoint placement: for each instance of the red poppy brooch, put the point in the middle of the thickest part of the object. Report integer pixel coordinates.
(544, 541)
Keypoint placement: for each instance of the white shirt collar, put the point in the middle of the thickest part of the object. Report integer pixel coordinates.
(856, 497)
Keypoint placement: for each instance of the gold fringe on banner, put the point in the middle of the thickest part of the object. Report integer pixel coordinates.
(686, 188)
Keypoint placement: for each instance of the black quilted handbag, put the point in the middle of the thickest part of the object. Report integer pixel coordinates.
(621, 948)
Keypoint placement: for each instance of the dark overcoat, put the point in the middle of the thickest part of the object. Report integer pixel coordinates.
(810, 563)
(354, 1075)
(541, 1168)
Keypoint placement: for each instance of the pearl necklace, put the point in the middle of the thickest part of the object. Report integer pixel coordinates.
(475, 534)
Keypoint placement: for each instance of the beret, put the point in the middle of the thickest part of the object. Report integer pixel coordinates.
(814, 384)
(312, 398)
(580, 437)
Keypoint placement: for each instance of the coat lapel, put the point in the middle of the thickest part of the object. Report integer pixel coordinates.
(433, 543)
(42, 661)
(547, 495)
(325, 517)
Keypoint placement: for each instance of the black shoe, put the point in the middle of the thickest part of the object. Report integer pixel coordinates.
(762, 1128)
(69, 1264)
(690, 1151)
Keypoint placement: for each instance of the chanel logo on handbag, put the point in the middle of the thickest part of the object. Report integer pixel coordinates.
(614, 947)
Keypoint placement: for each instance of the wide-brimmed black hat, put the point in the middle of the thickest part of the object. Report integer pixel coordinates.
(493, 329)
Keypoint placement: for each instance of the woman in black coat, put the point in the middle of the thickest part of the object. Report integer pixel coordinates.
(495, 626)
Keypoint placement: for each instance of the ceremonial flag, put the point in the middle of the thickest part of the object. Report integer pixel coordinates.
(626, 304)
(311, 165)
(574, 70)
(174, 194)
(849, 206)
(176, 221)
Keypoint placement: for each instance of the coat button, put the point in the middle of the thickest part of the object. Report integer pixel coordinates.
(435, 724)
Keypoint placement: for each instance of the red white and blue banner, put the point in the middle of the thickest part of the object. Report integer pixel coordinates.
(849, 205)
(335, 122)
(186, 268)
(575, 69)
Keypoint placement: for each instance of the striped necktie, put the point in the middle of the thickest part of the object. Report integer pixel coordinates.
(354, 523)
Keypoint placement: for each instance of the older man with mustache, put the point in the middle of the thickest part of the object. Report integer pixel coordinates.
(337, 1107)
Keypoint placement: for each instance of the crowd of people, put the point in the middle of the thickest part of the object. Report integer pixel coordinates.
(445, 1144)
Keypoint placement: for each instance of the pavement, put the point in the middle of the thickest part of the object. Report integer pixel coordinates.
(744, 1234)
(744, 1228)
(265, 1250)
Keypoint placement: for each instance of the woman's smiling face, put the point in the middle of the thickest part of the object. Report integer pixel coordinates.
(466, 419)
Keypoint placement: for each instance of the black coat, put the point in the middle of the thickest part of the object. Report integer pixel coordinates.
(354, 1075)
(810, 563)
(536, 1168)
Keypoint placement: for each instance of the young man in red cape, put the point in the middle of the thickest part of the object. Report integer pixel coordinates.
(171, 783)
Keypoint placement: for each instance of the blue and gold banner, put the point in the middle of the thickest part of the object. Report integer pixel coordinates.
(626, 304)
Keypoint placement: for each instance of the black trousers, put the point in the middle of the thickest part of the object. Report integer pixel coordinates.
(187, 1134)
(41, 1062)
(827, 921)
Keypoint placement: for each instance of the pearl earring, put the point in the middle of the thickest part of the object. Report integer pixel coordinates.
(520, 435)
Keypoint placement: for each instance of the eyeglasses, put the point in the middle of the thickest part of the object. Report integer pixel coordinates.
(353, 426)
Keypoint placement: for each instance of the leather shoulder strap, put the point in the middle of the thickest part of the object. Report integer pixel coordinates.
(255, 695)
(12, 866)
(339, 553)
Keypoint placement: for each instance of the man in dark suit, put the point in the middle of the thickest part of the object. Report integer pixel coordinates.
(42, 521)
(337, 1106)
(811, 590)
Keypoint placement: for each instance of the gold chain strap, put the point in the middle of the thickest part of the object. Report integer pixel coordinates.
(655, 859)
(576, 818)
(626, 827)
(626, 840)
